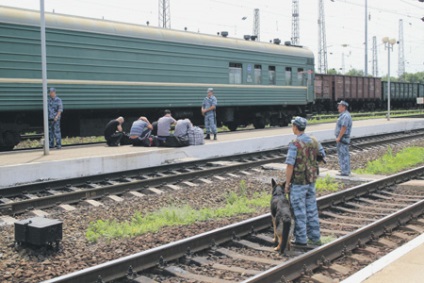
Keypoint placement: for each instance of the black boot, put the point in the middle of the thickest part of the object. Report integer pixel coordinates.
(208, 137)
(214, 137)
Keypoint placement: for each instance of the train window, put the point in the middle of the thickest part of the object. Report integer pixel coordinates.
(258, 74)
(288, 76)
(301, 78)
(235, 73)
(271, 75)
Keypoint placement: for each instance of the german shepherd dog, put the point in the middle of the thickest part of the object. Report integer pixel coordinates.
(281, 217)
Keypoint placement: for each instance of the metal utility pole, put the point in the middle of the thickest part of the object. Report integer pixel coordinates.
(366, 39)
(44, 76)
(322, 40)
(256, 24)
(401, 52)
(374, 57)
(164, 14)
(295, 22)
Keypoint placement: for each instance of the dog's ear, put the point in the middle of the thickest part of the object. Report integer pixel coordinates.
(273, 183)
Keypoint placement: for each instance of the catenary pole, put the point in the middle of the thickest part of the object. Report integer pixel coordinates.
(44, 75)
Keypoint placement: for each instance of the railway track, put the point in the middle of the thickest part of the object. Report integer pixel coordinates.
(364, 222)
(19, 199)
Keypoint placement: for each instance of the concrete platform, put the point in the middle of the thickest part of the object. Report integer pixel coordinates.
(23, 167)
(404, 264)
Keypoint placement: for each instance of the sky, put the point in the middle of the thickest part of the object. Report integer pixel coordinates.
(344, 20)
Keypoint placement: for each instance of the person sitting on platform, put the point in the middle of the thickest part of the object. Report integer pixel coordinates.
(140, 133)
(181, 127)
(164, 126)
(114, 134)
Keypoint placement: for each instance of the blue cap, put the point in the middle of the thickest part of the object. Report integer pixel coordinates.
(300, 122)
(210, 89)
(52, 89)
(344, 103)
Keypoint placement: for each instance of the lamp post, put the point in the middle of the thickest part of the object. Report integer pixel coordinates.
(388, 44)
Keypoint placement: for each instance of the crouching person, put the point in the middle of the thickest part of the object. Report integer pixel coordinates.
(180, 136)
(140, 133)
(114, 135)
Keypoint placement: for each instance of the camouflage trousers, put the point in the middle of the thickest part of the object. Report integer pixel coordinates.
(210, 124)
(54, 133)
(304, 205)
(344, 158)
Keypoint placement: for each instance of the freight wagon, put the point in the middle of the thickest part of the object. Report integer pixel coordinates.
(363, 93)
(102, 69)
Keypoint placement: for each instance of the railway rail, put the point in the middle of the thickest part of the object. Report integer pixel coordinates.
(21, 198)
(243, 252)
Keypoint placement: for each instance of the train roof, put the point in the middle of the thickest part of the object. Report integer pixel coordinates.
(65, 22)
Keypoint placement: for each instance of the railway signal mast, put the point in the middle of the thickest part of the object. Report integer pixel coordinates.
(295, 22)
(322, 40)
(164, 14)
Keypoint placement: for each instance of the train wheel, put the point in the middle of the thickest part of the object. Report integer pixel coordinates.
(9, 140)
(232, 126)
(259, 123)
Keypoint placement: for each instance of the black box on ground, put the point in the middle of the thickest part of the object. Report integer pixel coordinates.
(38, 231)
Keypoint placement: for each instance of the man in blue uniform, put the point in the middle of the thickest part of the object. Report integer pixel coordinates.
(55, 109)
(301, 173)
(342, 133)
(209, 111)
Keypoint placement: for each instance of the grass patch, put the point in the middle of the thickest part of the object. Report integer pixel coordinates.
(392, 163)
(236, 203)
(327, 184)
(328, 239)
(65, 141)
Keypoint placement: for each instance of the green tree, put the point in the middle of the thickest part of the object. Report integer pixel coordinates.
(355, 72)
(332, 72)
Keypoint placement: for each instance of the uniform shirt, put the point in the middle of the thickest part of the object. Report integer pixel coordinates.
(182, 127)
(344, 120)
(292, 152)
(208, 102)
(137, 128)
(54, 106)
(111, 128)
(164, 125)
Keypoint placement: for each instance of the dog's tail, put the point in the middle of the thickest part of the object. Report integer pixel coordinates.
(286, 233)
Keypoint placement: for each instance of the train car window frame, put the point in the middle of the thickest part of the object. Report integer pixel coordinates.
(271, 75)
(301, 77)
(235, 73)
(288, 76)
(257, 74)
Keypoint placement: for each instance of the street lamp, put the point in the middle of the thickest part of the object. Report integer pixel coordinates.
(388, 44)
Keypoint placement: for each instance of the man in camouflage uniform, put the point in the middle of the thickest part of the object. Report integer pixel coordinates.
(342, 133)
(55, 109)
(301, 173)
(209, 111)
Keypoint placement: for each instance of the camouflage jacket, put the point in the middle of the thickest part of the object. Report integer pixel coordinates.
(306, 168)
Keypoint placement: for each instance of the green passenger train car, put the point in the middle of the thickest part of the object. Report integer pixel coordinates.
(102, 69)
